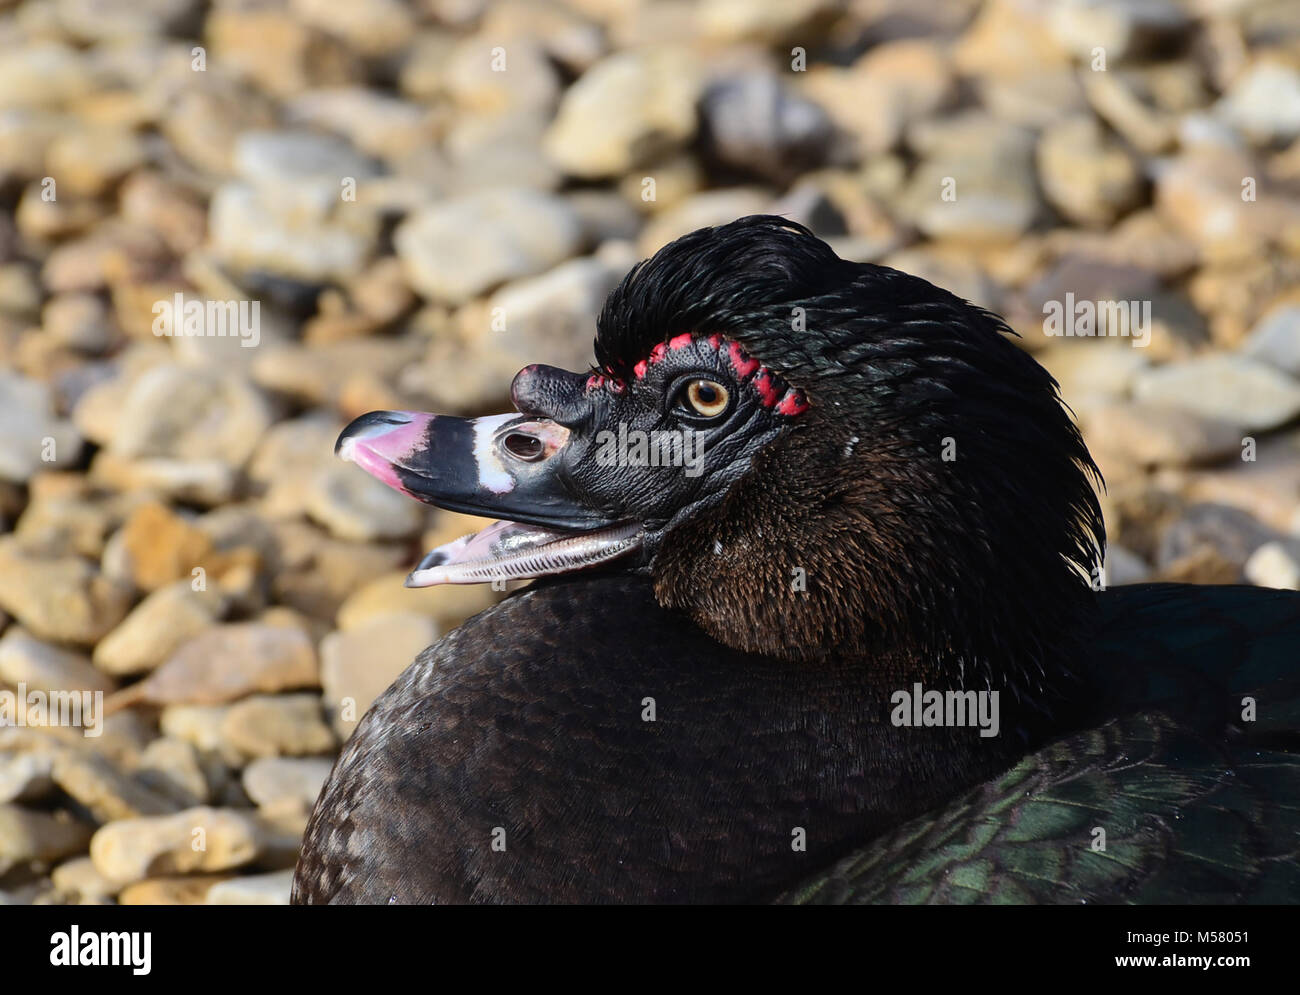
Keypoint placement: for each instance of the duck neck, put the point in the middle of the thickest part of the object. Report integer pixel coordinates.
(883, 568)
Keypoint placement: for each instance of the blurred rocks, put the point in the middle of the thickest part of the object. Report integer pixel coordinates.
(1087, 176)
(355, 506)
(624, 112)
(253, 889)
(1275, 564)
(225, 662)
(976, 181)
(1228, 387)
(1275, 340)
(197, 839)
(63, 599)
(358, 664)
(454, 250)
(277, 782)
(26, 835)
(167, 618)
(276, 725)
(419, 198)
(31, 435)
(1151, 436)
(43, 666)
(756, 124)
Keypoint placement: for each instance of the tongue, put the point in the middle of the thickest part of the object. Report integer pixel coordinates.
(511, 551)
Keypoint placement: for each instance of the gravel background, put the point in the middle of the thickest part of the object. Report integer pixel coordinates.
(421, 198)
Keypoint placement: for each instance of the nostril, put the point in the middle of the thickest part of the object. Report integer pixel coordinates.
(524, 447)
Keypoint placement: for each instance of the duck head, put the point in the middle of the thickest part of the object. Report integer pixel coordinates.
(811, 457)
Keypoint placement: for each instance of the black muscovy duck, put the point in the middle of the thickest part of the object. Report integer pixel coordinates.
(797, 499)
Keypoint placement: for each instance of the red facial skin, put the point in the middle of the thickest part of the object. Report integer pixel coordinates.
(789, 403)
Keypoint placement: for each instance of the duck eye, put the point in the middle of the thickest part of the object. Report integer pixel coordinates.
(524, 447)
(706, 398)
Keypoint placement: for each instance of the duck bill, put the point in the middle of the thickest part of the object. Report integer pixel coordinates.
(502, 466)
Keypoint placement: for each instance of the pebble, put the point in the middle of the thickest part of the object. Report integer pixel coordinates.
(458, 248)
(501, 150)
(63, 599)
(1227, 387)
(25, 776)
(43, 666)
(155, 628)
(20, 290)
(1275, 340)
(299, 227)
(110, 20)
(448, 605)
(45, 74)
(1200, 192)
(1228, 534)
(625, 111)
(1086, 175)
(373, 122)
(27, 835)
(1116, 98)
(253, 889)
(185, 414)
(755, 123)
(277, 725)
(276, 782)
(32, 436)
(160, 547)
(330, 373)
(198, 725)
(1264, 102)
(359, 664)
(287, 459)
(226, 662)
(90, 161)
(1093, 374)
(882, 93)
(1123, 566)
(78, 321)
(78, 878)
(1265, 486)
(1150, 435)
(1125, 29)
(197, 839)
(552, 315)
(354, 505)
(318, 572)
(278, 53)
(1275, 564)
(372, 27)
(174, 769)
(1001, 41)
(485, 77)
(714, 207)
(169, 208)
(106, 791)
(190, 889)
(977, 184)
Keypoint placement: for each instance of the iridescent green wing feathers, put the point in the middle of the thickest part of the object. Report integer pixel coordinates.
(1165, 804)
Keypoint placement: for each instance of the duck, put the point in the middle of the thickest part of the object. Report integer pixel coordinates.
(817, 614)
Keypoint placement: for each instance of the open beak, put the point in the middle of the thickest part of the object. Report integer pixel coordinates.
(503, 466)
